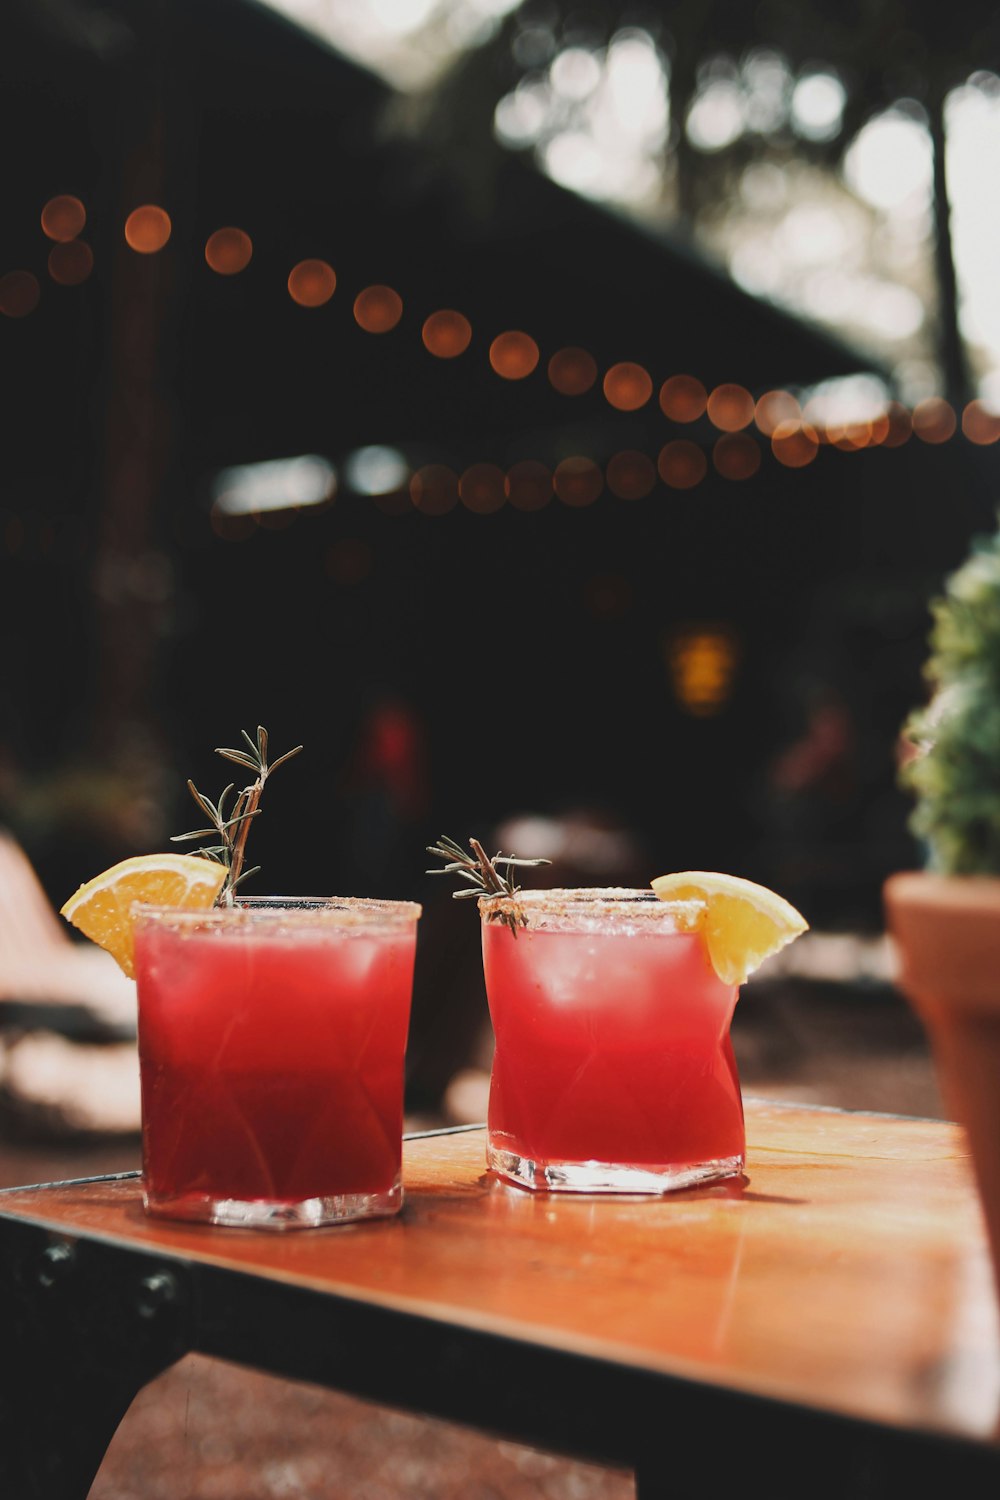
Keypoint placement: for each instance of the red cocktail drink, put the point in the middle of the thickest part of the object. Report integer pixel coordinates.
(613, 1069)
(271, 1040)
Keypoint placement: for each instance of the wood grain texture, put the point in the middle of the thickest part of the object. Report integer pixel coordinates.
(848, 1271)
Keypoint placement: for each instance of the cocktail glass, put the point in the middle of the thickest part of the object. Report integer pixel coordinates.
(613, 1068)
(272, 1035)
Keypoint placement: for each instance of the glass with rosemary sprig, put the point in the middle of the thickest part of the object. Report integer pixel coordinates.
(613, 1069)
(272, 1036)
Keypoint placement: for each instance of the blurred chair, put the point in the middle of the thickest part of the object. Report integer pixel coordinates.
(68, 1060)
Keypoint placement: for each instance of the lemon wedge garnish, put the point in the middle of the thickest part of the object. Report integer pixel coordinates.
(743, 923)
(102, 909)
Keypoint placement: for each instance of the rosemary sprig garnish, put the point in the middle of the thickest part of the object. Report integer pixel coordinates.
(483, 877)
(231, 828)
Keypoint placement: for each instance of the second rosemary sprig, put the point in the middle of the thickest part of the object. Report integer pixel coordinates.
(483, 878)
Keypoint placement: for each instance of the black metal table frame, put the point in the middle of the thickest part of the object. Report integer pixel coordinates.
(87, 1322)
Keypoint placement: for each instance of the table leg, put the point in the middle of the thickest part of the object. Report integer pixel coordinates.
(82, 1329)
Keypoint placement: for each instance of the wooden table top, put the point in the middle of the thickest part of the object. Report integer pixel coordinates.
(848, 1272)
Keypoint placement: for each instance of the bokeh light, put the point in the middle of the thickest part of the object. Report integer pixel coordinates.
(63, 218)
(434, 489)
(228, 251)
(19, 294)
(312, 283)
(774, 407)
(482, 489)
(447, 333)
(934, 420)
(736, 456)
(572, 371)
(377, 309)
(577, 481)
(730, 408)
(147, 229)
(682, 464)
(528, 485)
(900, 425)
(794, 444)
(70, 262)
(627, 386)
(703, 662)
(980, 424)
(631, 475)
(514, 354)
(683, 398)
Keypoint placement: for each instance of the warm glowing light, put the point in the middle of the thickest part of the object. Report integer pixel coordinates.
(736, 456)
(627, 386)
(794, 444)
(683, 398)
(19, 294)
(879, 429)
(312, 283)
(70, 262)
(147, 229)
(513, 355)
(900, 425)
(572, 371)
(447, 333)
(849, 437)
(775, 407)
(228, 251)
(980, 424)
(631, 475)
(377, 309)
(482, 489)
(702, 662)
(682, 465)
(528, 485)
(730, 408)
(934, 420)
(434, 489)
(63, 218)
(577, 481)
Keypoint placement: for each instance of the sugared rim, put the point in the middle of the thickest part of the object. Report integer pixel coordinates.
(340, 911)
(590, 904)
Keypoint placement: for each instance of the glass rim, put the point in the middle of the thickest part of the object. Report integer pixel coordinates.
(262, 911)
(625, 902)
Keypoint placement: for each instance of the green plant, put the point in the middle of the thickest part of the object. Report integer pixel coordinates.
(955, 770)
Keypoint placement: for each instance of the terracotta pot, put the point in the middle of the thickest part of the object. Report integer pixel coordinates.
(947, 932)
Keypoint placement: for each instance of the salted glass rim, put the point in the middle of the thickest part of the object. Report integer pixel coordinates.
(264, 912)
(590, 906)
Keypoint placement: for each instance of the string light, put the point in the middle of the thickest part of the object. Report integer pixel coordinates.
(900, 425)
(631, 475)
(681, 464)
(683, 398)
(378, 309)
(730, 408)
(482, 489)
(228, 251)
(434, 489)
(794, 444)
(147, 229)
(577, 481)
(63, 218)
(979, 424)
(934, 421)
(19, 294)
(736, 456)
(627, 386)
(70, 262)
(774, 407)
(572, 371)
(513, 355)
(447, 333)
(312, 283)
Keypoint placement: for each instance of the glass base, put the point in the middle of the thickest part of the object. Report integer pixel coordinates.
(264, 1213)
(608, 1177)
